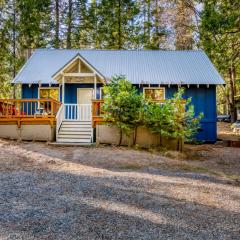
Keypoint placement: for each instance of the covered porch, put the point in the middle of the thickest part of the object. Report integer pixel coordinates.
(80, 83)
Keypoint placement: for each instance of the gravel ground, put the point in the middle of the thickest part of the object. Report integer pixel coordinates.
(115, 193)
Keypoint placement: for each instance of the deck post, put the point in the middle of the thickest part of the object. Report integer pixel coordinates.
(95, 86)
(63, 90)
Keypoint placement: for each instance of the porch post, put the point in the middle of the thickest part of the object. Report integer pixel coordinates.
(95, 87)
(63, 90)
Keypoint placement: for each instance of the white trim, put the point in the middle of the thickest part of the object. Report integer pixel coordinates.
(79, 74)
(84, 61)
(63, 89)
(95, 86)
(58, 88)
(164, 91)
(100, 95)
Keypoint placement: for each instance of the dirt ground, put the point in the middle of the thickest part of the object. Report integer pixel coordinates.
(51, 192)
(225, 132)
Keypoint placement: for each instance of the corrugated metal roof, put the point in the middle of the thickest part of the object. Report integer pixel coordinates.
(140, 66)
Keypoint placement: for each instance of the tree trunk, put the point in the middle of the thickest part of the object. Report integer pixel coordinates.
(119, 25)
(160, 139)
(233, 109)
(120, 138)
(69, 25)
(56, 42)
(14, 46)
(149, 23)
(135, 136)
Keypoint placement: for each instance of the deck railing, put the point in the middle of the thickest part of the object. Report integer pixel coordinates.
(97, 112)
(28, 108)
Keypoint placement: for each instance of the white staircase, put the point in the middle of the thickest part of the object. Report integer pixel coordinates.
(75, 132)
(74, 124)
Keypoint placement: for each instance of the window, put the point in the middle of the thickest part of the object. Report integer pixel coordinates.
(154, 94)
(49, 93)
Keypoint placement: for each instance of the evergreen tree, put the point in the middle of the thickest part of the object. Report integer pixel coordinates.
(184, 25)
(220, 38)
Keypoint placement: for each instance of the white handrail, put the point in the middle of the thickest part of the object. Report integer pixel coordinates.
(60, 117)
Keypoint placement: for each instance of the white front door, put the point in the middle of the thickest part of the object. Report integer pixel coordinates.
(84, 95)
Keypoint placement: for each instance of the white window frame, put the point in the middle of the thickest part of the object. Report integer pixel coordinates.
(58, 88)
(164, 91)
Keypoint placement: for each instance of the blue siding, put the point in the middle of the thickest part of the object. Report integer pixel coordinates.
(71, 91)
(203, 99)
(30, 92)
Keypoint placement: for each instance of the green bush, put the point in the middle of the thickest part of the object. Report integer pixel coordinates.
(126, 109)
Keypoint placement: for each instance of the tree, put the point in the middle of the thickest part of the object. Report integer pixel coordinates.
(123, 106)
(220, 38)
(174, 118)
(183, 25)
(158, 119)
(115, 18)
(56, 42)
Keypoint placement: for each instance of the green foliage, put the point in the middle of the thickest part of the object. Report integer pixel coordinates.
(184, 122)
(123, 105)
(126, 109)
(175, 118)
(219, 36)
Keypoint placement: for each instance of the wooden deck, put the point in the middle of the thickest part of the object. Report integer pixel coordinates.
(97, 112)
(28, 111)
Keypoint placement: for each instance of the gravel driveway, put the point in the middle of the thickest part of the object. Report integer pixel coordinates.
(101, 193)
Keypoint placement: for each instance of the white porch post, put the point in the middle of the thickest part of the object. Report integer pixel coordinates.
(63, 90)
(95, 87)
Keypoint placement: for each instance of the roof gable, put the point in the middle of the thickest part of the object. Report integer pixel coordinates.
(139, 66)
(74, 59)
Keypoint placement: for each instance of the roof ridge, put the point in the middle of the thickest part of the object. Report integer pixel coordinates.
(117, 50)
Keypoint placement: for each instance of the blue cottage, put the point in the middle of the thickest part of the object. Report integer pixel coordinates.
(76, 77)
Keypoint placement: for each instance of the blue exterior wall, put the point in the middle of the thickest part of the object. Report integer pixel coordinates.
(203, 99)
(70, 91)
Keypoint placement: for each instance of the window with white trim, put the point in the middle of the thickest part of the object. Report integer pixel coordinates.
(49, 93)
(154, 93)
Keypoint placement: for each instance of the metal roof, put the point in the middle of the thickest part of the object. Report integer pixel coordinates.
(139, 66)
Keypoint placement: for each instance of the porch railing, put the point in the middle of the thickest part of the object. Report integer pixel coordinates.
(27, 108)
(79, 112)
(97, 112)
(73, 112)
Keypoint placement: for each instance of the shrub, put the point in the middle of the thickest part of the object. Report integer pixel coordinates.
(125, 108)
(122, 105)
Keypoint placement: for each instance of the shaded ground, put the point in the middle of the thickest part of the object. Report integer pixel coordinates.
(118, 193)
(225, 132)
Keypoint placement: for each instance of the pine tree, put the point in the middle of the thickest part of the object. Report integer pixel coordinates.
(183, 25)
(220, 34)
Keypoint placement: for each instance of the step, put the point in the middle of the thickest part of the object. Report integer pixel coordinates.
(78, 129)
(71, 144)
(70, 140)
(75, 132)
(76, 126)
(86, 135)
(77, 122)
